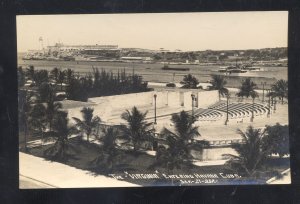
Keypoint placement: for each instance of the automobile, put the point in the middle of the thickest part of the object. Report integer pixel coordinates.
(170, 85)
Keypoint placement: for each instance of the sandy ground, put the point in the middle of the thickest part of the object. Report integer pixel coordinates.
(38, 173)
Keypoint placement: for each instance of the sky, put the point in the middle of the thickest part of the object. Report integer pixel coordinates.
(184, 31)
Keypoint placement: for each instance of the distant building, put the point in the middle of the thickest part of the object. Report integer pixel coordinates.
(136, 58)
(212, 57)
(61, 47)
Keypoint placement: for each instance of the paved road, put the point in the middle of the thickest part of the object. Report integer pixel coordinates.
(38, 173)
(29, 183)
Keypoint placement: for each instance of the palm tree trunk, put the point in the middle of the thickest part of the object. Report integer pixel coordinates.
(50, 124)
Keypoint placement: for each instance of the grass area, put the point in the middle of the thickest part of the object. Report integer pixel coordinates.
(129, 164)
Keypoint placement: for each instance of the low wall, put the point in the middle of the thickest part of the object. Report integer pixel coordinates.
(108, 107)
(187, 99)
(125, 100)
(174, 99)
(207, 98)
(213, 153)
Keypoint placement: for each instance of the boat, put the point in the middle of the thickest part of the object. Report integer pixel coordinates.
(246, 71)
(166, 67)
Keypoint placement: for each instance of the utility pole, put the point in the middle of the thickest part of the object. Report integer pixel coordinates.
(193, 97)
(226, 121)
(275, 105)
(263, 84)
(252, 110)
(269, 109)
(155, 109)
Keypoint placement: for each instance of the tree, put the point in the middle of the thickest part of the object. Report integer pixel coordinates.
(54, 73)
(52, 107)
(173, 156)
(59, 151)
(69, 75)
(280, 89)
(137, 129)
(109, 154)
(252, 153)
(37, 119)
(61, 78)
(40, 76)
(25, 102)
(179, 142)
(277, 138)
(88, 123)
(45, 92)
(21, 76)
(184, 127)
(218, 83)
(248, 89)
(77, 90)
(30, 71)
(189, 81)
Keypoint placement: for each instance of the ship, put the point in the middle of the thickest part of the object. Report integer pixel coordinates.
(166, 67)
(245, 71)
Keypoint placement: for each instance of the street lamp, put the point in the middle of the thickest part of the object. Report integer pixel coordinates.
(269, 109)
(275, 101)
(227, 97)
(155, 108)
(193, 97)
(252, 111)
(263, 84)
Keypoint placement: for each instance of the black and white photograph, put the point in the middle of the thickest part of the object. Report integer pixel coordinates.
(153, 99)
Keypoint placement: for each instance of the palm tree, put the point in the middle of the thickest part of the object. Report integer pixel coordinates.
(251, 153)
(218, 83)
(280, 89)
(89, 122)
(69, 75)
(30, 71)
(138, 129)
(37, 119)
(179, 142)
(61, 132)
(189, 81)
(52, 107)
(277, 138)
(248, 89)
(61, 78)
(25, 106)
(54, 73)
(108, 153)
(40, 76)
(184, 127)
(174, 156)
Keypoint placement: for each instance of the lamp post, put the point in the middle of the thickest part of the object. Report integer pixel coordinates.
(275, 101)
(193, 97)
(155, 108)
(263, 84)
(269, 104)
(227, 97)
(252, 111)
